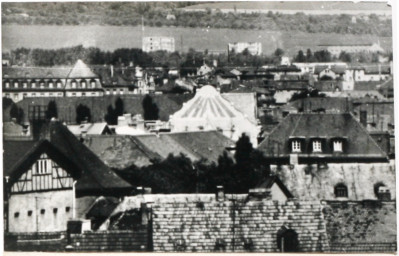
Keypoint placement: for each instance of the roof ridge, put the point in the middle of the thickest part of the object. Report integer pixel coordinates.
(296, 124)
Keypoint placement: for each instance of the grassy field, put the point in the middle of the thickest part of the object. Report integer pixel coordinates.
(113, 37)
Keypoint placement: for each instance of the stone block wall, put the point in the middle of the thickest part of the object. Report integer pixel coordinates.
(197, 226)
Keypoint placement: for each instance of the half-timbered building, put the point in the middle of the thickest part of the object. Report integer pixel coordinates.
(51, 180)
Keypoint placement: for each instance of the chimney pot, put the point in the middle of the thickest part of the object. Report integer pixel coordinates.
(219, 193)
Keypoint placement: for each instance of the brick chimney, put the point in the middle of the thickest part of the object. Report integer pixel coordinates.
(219, 193)
(363, 117)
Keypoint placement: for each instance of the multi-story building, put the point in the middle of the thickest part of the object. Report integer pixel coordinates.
(76, 81)
(158, 43)
(254, 48)
(336, 49)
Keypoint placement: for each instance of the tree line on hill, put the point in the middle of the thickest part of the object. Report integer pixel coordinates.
(158, 14)
(325, 56)
(126, 56)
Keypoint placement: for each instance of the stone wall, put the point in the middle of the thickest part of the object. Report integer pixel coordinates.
(197, 225)
(317, 183)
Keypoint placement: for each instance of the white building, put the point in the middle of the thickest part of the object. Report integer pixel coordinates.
(158, 43)
(208, 110)
(254, 48)
(336, 49)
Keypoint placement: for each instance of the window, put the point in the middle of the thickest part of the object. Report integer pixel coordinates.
(296, 146)
(316, 146)
(55, 210)
(337, 146)
(24, 84)
(67, 209)
(33, 84)
(83, 84)
(16, 85)
(83, 94)
(41, 85)
(341, 190)
(50, 85)
(42, 211)
(59, 85)
(73, 84)
(29, 213)
(16, 214)
(93, 84)
(7, 84)
(42, 167)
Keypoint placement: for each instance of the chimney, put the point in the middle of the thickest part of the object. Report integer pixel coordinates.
(112, 70)
(215, 63)
(259, 194)
(219, 193)
(363, 117)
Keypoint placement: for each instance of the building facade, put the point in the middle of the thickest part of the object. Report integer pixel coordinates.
(254, 48)
(158, 43)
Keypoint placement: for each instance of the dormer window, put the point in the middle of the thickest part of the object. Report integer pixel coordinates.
(316, 145)
(16, 85)
(7, 84)
(341, 190)
(93, 84)
(24, 84)
(73, 84)
(337, 146)
(296, 146)
(33, 84)
(59, 85)
(41, 85)
(50, 85)
(83, 84)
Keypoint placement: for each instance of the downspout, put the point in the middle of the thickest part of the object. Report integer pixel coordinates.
(74, 200)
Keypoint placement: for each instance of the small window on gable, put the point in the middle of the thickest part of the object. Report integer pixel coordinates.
(296, 146)
(316, 146)
(337, 146)
(341, 190)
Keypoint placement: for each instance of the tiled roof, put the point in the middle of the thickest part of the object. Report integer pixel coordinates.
(337, 69)
(123, 151)
(198, 222)
(94, 175)
(307, 126)
(330, 105)
(81, 70)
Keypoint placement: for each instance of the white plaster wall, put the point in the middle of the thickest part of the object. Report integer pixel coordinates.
(319, 183)
(37, 222)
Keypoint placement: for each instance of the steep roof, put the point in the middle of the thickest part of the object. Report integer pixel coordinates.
(94, 175)
(245, 102)
(35, 72)
(81, 70)
(312, 125)
(271, 180)
(332, 105)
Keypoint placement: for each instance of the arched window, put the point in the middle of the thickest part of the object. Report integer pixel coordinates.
(33, 84)
(15, 84)
(93, 83)
(341, 190)
(287, 240)
(59, 84)
(73, 84)
(83, 84)
(41, 84)
(50, 84)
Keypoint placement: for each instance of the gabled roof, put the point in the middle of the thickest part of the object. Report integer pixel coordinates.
(88, 128)
(337, 69)
(81, 70)
(93, 175)
(312, 125)
(35, 72)
(271, 180)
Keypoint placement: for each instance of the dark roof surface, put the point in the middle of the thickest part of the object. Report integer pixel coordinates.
(94, 175)
(306, 125)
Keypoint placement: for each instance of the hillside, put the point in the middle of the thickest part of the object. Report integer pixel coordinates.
(207, 15)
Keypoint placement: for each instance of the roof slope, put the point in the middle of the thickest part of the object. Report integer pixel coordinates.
(312, 125)
(94, 175)
(244, 102)
(81, 70)
(121, 151)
